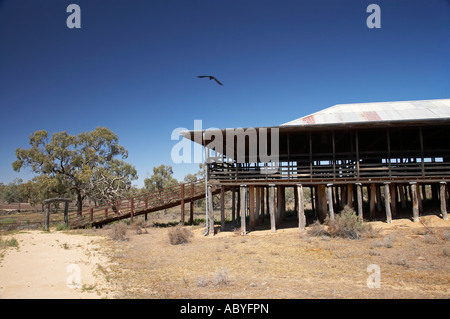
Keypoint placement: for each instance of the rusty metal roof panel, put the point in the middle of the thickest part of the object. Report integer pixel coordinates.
(377, 112)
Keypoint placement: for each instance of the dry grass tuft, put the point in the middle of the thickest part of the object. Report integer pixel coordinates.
(179, 235)
(118, 232)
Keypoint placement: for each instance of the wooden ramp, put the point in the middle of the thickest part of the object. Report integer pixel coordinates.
(139, 205)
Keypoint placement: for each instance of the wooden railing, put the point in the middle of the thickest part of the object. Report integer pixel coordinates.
(350, 171)
(138, 205)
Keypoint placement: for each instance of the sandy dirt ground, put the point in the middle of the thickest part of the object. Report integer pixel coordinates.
(53, 265)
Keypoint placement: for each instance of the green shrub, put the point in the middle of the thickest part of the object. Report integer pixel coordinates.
(8, 243)
(347, 225)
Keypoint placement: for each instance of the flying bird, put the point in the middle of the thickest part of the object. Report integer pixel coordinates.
(210, 78)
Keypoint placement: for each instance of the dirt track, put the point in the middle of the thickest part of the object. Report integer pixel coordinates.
(44, 262)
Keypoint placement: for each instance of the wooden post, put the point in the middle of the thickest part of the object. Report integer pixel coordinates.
(419, 198)
(191, 213)
(392, 188)
(146, 207)
(106, 212)
(330, 201)
(47, 217)
(387, 204)
(343, 195)
(360, 200)
(251, 198)
(402, 195)
(295, 200)
(91, 214)
(279, 203)
(131, 210)
(238, 205)
(350, 195)
(313, 201)
(222, 208)
(321, 203)
(257, 204)
(444, 201)
(415, 202)
(424, 192)
(182, 203)
(272, 207)
(261, 215)
(301, 207)
(210, 211)
(379, 203)
(373, 195)
(233, 205)
(191, 206)
(243, 192)
(66, 216)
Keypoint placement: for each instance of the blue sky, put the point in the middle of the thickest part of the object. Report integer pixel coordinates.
(132, 66)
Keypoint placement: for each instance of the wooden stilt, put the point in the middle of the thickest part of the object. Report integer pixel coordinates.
(330, 201)
(243, 192)
(419, 198)
(321, 203)
(251, 198)
(272, 207)
(373, 195)
(415, 202)
(261, 215)
(280, 202)
(379, 203)
(359, 199)
(182, 205)
(387, 203)
(344, 197)
(295, 201)
(301, 207)
(210, 211)
(257, 204)
(222, 208)
(402, 195)
(393, 199)
(233, 205)
(444, 201)
(238, 206)
(350, 195)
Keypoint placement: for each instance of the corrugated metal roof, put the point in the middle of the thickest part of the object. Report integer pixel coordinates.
(377, 112)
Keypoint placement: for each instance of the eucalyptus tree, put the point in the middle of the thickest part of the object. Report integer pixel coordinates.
(83, 162)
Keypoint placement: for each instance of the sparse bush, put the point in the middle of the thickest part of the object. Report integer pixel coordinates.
(347, 225)
(222, 277)
(8, 243)
(61, 227)
(179, 235)
(140, 227)
(317, 230)
(202, 282)
(388, 241)
(118, 232)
